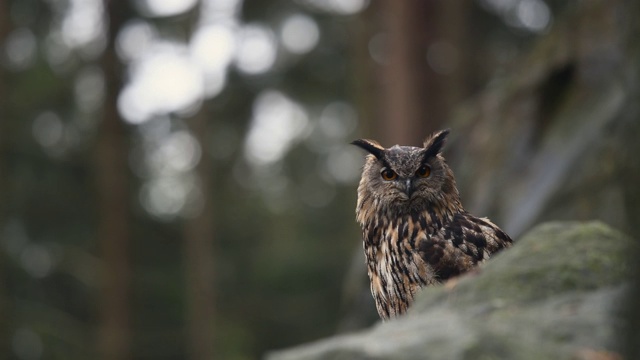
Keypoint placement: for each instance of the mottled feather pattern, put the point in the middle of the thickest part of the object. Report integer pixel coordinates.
(415, 231)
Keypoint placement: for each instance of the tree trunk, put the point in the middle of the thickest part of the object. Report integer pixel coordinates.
(362, 71)
(112, 181)
(402, 90)
(198, 236)
(4, 31)
(629, 173)
(453, 33)
(414, 98)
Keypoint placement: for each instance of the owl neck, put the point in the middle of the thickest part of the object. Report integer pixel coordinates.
(440, 210)
(437, 211)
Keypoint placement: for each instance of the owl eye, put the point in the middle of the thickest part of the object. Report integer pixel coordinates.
(424, 171)
(388, 174)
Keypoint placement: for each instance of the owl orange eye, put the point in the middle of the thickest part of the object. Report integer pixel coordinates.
(388, 174)
(424, 171)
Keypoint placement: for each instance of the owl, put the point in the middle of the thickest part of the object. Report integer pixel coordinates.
(415, 230)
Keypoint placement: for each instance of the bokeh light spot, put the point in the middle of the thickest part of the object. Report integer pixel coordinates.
(36, 260)
(162, 8)
(166, 196)
(299, 34)
(179, 152)
(20, 48)
(26, 344)
(337, 120)
(89, 88)
(14, 237)
(378, 46)
(344, 164)
(48, 129)
(212, 47)
(135, 39)
(340, 7)
(442, 57)
(256, 51)
(534, 15)
(83, 22)
(531, 15)
(277, 122)
(165, 81)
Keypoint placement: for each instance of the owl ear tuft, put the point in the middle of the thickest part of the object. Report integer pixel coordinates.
(433, 144)
(371, 146)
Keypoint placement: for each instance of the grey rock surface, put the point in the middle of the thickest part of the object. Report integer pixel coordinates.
(554, 295)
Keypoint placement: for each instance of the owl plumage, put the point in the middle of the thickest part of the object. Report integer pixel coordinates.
(415, 230)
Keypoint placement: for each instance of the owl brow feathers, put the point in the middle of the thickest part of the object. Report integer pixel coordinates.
(371, 146)
(434, 143)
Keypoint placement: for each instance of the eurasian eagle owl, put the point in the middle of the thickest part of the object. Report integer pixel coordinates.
(415, 231)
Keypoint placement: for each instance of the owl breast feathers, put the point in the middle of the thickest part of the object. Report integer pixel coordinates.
(415, 231)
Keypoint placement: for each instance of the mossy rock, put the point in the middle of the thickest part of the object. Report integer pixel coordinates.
(552, 258)
(554, 294)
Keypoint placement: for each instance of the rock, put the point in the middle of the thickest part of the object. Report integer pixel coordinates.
(554, 295)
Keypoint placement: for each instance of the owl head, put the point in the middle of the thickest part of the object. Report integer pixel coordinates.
(406, 178)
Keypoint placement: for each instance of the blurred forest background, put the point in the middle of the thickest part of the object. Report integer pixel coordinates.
(175, 175)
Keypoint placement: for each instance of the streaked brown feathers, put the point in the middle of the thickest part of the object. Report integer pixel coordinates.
(415, 231)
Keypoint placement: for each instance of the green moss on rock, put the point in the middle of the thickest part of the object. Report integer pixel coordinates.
(553, 295)
(552, 258)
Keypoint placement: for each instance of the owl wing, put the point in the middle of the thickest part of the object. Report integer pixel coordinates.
(461, 245)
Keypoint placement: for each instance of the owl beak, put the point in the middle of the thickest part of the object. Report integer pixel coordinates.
(408, 187)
